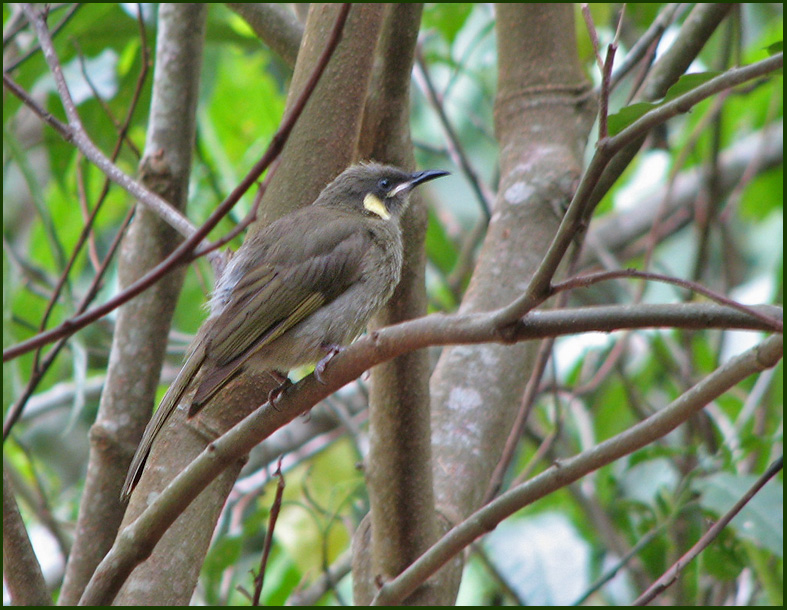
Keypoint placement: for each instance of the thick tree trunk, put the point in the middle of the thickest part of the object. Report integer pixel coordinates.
(542, 117)
(142, 327)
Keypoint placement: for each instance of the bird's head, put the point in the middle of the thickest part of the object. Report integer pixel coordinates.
(377, 191)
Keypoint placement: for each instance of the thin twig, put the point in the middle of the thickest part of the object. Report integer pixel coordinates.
(647, 43)
(455, 148)
(324, 583)
(606, 76)
(593, 35)
(592, 278)
(87, 215)
(38, 371)
(241, 226)
(756, 163)
(517, 428)
(121, 129)
(671, 575)
(35, 48)
(611, 572)
(545, 447)
(32, 489)
(579, 209)
(266, 549)
(184, 253)
(60, 127)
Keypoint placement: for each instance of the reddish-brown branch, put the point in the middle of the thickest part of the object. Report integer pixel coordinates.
(671, 575)
(38, 371)
(645, 48)
(593, 278)
(266, 550)
(133, 543)
(183, 253)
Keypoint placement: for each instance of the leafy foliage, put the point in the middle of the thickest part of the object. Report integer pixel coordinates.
(550, 552)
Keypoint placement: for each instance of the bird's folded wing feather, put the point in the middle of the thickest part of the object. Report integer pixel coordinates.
(300, 271)
(278, 294)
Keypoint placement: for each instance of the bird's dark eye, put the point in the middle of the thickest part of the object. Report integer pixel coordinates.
(384, 183)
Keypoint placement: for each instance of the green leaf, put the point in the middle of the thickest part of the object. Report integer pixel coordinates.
(688, 82)
(439, 247)
(627, 115)
(618, 121)
(760, 521)
(447, 18)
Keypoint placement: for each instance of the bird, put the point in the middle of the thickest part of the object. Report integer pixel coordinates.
(297, 291)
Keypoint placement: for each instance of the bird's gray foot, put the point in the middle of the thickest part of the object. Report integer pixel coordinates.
(319, 369)
(275, 393)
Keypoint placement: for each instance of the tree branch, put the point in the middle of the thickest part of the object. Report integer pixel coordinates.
(275, 24)
(79, 137)
(181, 254)
(671, 575)
(484, 520)
(21, 570)
(137, 540)
(539, 287)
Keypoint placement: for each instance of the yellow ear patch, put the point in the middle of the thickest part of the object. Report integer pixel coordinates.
(372, 203)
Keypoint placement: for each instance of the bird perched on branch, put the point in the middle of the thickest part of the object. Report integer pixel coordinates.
(297, 290)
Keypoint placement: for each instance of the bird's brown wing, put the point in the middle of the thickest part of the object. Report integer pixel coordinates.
(289, 284)
(298, 271)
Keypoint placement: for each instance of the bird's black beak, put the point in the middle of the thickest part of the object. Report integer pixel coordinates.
(425, 176)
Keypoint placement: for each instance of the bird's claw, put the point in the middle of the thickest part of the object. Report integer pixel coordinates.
(319, 369)
(275, 393)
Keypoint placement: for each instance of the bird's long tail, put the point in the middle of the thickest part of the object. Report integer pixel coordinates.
(168, 404)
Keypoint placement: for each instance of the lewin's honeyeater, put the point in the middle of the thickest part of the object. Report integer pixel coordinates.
(297, 290)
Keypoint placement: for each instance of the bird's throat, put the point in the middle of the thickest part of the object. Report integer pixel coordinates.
(372, 203)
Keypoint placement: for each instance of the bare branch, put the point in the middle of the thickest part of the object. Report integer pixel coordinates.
(21, 570)
(484, 520)
(275, 24)
(182, 253)
(646, 42)
(135, 542)
(671, 575)
(577, 211)
(274, 515)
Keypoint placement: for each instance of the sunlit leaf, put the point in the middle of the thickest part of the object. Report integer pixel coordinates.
(761, 520)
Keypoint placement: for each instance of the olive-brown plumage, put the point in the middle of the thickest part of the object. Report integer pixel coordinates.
(297, 290)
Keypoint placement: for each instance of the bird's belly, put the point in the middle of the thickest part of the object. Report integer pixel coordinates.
(336, 324)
